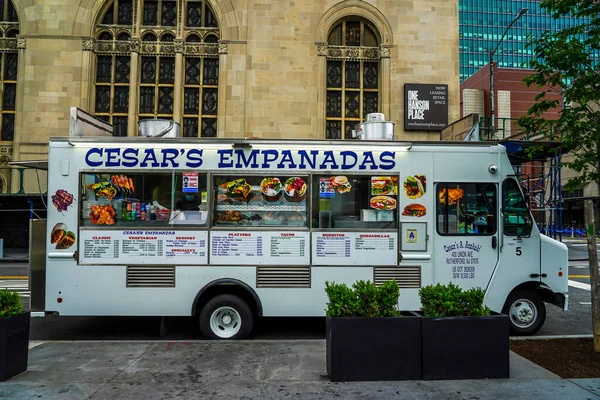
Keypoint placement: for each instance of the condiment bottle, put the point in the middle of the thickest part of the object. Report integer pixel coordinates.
(133, 214)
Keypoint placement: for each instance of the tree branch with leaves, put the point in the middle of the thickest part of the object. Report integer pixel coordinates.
(566, 63)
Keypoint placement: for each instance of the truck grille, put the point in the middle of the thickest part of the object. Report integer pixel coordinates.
(283, 277)
(407, 277)
(150, 276)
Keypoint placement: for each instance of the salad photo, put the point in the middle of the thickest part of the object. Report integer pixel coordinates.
(270, 186)
(295, 187)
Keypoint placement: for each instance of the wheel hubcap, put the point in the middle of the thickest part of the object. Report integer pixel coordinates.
(225, 322)
(523, 313)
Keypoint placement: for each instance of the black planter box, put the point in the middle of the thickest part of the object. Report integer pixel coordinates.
(466, 347)
(14, 345)
(374, 349)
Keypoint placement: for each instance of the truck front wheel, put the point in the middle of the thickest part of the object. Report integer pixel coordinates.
(226, 317)
(526, 312)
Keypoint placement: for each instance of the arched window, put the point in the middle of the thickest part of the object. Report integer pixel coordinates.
(352, 76)
(160, 72)
(8, 71)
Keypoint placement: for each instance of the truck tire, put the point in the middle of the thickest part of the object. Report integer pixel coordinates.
(526, 312)
(226, 317)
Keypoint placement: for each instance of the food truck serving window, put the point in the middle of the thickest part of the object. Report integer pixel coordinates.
(466, 208)
(143, 200)
(260, 201)
(355, 202)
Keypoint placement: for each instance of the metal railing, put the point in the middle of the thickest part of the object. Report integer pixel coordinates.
(506, 128)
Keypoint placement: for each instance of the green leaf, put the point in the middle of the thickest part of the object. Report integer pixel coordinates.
(10, 304)
(364, 299)
(451, 301)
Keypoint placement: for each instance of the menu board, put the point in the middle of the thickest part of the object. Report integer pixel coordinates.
(252, 248)
(354, 248)
(143, 247)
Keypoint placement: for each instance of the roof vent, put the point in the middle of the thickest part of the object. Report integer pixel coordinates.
(375, 117)
(374, 128)
(158, 128)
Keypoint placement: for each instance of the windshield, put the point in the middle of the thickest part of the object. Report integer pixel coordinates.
(517, 220)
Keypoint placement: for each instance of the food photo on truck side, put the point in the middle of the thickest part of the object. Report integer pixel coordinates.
(228, 231)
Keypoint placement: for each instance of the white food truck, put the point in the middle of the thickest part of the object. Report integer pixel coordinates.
(228, 231)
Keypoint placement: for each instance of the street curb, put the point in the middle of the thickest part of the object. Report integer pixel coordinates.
(548, 337)
(262, 341)
(183, 341)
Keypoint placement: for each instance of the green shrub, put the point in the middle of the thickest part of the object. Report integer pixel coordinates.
(451, 301)
(342, 300)
(10, 303)
(364, 299)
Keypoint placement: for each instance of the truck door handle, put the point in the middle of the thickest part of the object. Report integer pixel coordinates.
(494, 242)
(538, 275)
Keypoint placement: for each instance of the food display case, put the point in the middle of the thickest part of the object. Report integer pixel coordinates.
(258, 201)
(140, 200)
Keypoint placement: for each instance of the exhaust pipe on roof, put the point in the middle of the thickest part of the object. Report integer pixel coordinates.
(374, 128)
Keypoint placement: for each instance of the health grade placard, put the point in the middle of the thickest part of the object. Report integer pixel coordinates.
(143, 247)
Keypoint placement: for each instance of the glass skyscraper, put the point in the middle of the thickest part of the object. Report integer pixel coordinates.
(481, 23)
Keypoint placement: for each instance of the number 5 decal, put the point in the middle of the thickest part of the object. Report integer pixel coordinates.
(518, 251)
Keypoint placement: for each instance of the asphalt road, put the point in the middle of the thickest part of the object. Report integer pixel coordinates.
(576, 321)
(578, 250)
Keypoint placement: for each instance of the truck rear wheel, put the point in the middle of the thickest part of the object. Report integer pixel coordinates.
(226, 317)
(526, 312)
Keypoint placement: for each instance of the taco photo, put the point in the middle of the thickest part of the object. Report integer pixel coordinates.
(61, 237)
(383, 203)
(414, 210)
(382, 185)
(415, 186)
(238, 187)
(58, 233)
(67, 241)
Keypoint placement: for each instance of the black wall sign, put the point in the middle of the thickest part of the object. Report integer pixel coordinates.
(425, 107)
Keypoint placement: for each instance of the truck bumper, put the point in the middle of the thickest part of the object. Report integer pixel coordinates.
(560, 300)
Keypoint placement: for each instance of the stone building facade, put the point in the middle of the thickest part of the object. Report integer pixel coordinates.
(220, 68)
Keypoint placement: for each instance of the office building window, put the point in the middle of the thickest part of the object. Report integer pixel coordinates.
(481, 23)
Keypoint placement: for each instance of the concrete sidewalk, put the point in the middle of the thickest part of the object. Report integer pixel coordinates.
(247, 370)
